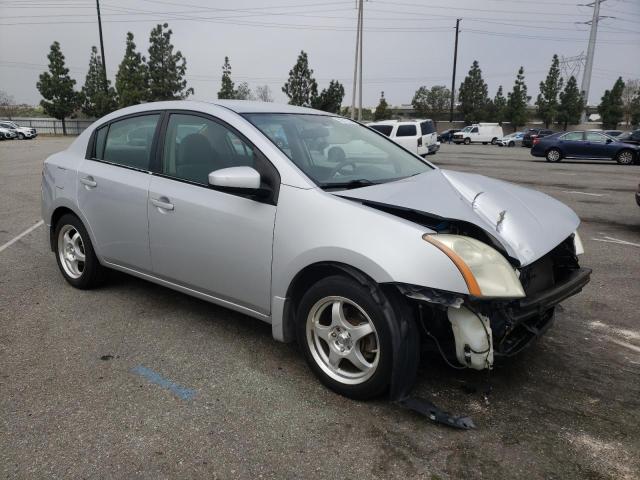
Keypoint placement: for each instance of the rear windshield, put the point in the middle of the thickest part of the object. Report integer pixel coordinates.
(406, 131)
(384, 129)
(427, 127)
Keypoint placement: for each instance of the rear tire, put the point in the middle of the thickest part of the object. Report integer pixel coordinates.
(625, 157)
(345, 337)
(554, 155)
(494, 140)
(467, 141)
(76, 258)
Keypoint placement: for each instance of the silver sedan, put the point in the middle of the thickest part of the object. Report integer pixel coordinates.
(363, 252)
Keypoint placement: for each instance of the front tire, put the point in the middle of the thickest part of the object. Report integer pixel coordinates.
(625, 157)
(21, 136)
(512, 144)
(345, 337)
(554, 155)
(467, 141)
(75, 255)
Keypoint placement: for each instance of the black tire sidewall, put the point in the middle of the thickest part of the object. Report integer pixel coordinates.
(344, 286)
(93, 272)
(467, 141)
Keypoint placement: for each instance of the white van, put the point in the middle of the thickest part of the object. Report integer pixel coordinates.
(479, 132)
(418, 136)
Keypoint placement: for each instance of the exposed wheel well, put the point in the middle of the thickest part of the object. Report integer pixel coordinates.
(304, 280)
(57, 215)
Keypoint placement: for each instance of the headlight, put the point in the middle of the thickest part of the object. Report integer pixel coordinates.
(486, 272)
(577, 243)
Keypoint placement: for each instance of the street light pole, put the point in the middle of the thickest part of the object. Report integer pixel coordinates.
(104, 65)
(453, 77)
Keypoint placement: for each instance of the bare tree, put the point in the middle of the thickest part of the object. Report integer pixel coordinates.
(8, 106)
(630, 92)
(263, 93)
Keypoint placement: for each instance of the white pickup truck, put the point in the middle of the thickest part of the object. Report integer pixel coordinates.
(479, 133)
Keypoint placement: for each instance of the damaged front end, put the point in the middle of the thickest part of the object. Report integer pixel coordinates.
(472, 332)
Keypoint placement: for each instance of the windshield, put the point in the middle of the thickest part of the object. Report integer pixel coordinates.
(337, 152)
(466, 129)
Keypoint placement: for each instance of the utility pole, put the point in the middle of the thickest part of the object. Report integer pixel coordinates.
(453, 77)
(357, 80)
(586, 77)
(360, 66)
(104, 65)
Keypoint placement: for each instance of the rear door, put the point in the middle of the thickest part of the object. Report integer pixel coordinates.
(407, 136)
(214, 242)
(113, 185)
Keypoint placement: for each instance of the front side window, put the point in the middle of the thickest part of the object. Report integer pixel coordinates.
(196, 146)
(406, 131)
(573, 136)
(383, 129)
(595, 137)
(336, 152)
(127, 142)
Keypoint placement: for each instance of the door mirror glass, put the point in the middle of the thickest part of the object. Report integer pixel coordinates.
(236, 179)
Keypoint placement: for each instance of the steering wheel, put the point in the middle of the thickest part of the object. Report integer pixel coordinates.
(338, 168)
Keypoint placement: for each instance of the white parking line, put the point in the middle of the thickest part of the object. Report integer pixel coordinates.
(586, 193)
(616, 240)
(26, 232)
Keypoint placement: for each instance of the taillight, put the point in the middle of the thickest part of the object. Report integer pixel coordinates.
(536, 141)
(420, 142)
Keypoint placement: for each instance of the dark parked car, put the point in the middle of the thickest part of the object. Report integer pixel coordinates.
(630, 137)
(531, 133)
(447, 135)
(589, 144)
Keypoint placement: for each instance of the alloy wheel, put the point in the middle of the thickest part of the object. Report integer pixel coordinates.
(625, 158)
(342, 340)
(71, 251)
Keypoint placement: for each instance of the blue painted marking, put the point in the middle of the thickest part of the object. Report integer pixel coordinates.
(154, 377)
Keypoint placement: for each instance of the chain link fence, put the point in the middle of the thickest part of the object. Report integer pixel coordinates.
(51, 126)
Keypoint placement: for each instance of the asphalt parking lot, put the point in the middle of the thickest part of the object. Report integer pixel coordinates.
(137, 381)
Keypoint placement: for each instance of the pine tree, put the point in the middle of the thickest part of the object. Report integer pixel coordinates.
(227, 89)
(516, 111)
(330, 99)
(98, 96)
(498, 106)
(132, 79)
(571, 104)
(166, 68)
(473, 95)
(56, 87)
(547, 101)
(635, 111)
(431, 102)
(381, 110)
(611, 108)
(243, 92)
(301, 88)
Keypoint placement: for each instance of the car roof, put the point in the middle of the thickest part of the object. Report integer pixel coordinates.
(248, 106)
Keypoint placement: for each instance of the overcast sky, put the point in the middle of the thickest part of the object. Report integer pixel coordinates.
(407, 43)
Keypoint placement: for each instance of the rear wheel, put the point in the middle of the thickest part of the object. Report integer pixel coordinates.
(554, 155)
(494, 140)
(345, 337)
(625, 157)
(467, 141)
(75, 255)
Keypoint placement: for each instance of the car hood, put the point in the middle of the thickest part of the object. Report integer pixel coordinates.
(527, 223)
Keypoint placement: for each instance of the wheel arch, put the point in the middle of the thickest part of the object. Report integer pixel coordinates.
(56, 215)
(635, 154)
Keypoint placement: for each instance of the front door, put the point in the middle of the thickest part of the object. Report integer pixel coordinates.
(596, 145)
(113, 184)
(572, 144)
(214, 242)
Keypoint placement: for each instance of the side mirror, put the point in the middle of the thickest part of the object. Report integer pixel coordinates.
(241, 180)
(609, 140)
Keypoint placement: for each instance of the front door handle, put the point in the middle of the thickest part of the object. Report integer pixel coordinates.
(162, 203)
(89, 182)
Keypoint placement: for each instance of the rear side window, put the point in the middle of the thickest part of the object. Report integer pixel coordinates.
(474, 130)
(128, 142)
(427, 127)
(572, 136)
(383, 129)
(406, 131)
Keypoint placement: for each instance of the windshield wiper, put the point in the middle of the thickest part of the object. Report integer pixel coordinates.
(360, 182)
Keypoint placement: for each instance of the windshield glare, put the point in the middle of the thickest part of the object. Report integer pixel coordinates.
(334, 151)
(467, 129)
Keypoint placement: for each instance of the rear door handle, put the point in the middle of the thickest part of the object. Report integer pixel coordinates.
(162, 203)
(89, 181)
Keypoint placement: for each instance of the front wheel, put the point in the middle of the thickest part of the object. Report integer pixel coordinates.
(345, 338)
(625, 157)
(75, 255)
(467, 141)
(21, 136)
(554, 155)
(512, 144)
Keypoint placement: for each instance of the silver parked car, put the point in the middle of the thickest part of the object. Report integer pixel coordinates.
(322, 227)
